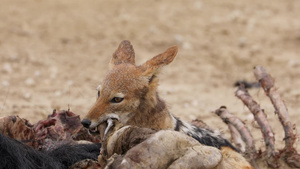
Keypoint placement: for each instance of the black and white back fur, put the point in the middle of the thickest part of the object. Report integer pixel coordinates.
(202, 135)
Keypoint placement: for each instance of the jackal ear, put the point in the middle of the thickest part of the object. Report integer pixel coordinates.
(152, 66)
(124, 54)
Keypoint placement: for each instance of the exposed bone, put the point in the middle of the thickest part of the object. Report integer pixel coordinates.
(237, 138)
(262, 121)
(109, 125)
(228, 118)
(202, 124)
(101, 129)
(267, 83)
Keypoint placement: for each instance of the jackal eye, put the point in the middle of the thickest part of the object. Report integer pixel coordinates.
(116, 99)
(98, 91)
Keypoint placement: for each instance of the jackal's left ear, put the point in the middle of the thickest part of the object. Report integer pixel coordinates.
(124, 54)
(152, 66)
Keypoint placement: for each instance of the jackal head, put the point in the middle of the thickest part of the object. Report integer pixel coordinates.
(128, 93)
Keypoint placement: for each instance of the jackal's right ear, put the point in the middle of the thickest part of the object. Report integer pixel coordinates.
(124, 54)
(152, 66)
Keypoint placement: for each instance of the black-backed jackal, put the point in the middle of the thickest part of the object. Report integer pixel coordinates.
(129, 94)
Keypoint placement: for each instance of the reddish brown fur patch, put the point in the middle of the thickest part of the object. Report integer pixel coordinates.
(156, 115)
(234, 160)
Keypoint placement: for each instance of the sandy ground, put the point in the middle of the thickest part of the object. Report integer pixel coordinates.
(54, 53)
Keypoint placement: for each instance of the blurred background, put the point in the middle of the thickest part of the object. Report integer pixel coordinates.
(54, 53)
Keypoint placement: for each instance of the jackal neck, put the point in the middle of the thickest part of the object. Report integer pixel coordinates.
(152, 113)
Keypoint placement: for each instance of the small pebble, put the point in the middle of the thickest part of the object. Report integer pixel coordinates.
(57, 93)
(7, 68)
(242, 42)
(186, 45)
(29, 82)
(198, 5)
(195, 103)
(178, 38)
(37, 73)
(5, 83)
(70, 82)
(27, 96)
(250, 117)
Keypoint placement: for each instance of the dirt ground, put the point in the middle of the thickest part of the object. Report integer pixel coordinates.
(54, 53)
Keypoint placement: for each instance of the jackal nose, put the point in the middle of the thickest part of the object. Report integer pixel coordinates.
(86, 123)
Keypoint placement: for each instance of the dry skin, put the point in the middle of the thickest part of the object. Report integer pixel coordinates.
(54, 53)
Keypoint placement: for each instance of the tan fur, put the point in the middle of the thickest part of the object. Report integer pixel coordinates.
(142, 105)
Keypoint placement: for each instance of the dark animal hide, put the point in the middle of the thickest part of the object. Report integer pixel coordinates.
(17, 155)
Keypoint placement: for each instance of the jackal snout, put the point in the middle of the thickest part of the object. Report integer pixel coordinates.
(86, 123)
